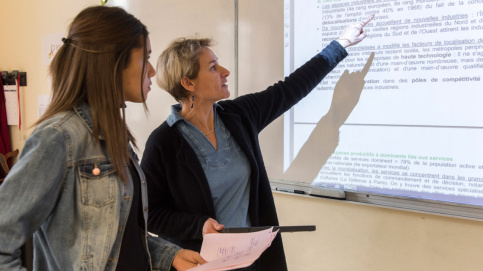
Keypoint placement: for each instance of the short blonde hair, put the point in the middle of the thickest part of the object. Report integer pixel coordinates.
(181, 59)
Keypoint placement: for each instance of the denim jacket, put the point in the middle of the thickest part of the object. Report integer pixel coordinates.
(77, 218)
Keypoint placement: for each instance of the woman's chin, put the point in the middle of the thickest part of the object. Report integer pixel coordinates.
(227, 94)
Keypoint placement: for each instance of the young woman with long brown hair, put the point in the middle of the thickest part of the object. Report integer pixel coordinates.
(77, 187)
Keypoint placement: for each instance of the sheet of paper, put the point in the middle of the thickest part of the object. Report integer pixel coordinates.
(226, 251)
(50, 45)
(11, 104)
(43, 102)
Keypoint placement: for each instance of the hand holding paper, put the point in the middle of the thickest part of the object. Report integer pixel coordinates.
(226, 251)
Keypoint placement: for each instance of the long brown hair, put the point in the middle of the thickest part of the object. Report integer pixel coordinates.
(88, 69)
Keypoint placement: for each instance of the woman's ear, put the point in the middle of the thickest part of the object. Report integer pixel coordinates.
(187, 84)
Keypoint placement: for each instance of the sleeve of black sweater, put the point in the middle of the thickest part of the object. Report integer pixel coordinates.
(265, 106)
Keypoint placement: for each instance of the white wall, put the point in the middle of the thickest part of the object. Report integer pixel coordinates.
(352, 236)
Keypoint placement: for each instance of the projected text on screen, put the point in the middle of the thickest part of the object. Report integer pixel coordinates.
(418, 127)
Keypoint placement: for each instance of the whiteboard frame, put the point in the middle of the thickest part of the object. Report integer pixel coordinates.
(434, 207)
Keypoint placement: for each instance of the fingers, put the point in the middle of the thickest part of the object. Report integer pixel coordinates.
(211, 226)
(186, 259)
(345, 73)
(218, 227)
(197, 257)
(365, 70)
(367, 20)
(355, 33)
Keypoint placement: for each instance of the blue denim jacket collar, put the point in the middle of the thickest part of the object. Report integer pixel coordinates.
(84, 111)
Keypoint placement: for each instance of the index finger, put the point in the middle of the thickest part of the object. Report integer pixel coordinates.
(199, 259)
(367, 20)
(365, 70)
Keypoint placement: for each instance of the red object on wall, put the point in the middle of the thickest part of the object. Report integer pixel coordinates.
(5, 146)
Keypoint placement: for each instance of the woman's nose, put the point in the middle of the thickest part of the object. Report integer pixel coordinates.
(151, 70)
(225, 72)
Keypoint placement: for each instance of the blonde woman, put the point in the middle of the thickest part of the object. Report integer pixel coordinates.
(204, 165)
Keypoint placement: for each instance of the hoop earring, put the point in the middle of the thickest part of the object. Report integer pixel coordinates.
(192, 100)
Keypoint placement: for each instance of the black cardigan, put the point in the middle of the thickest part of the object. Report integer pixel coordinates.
(180, 200)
